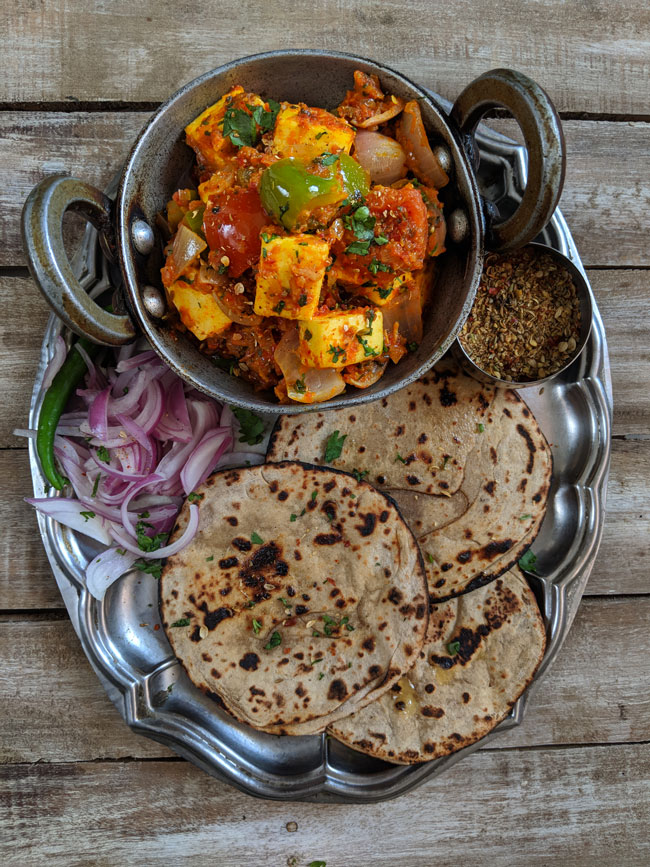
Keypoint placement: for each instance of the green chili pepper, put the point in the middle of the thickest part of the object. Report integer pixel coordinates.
(194, 220)
(355, 177)
(287, 189)
(56, 397)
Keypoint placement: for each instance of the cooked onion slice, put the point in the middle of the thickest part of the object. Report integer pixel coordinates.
(393, 107)
(420, 159)
(382, 157)
(305, 384)
(187, 247)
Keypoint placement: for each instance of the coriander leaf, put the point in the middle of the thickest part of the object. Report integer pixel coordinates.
(279, 307)
(86, 515)
(412, 346)
(367, 349)
(336, 352)
(326, 159)
(251, 426)
(380, 240)
(96, 485)
(480, 428)
(227, 364)
(103, 455)
(151, 567)
(358, 248)
(256, 626)
(274, 641)
(429, 557)
(360, 475)
(320, 134)
(194, 497)
(321, 675)
(453, 647)
(182, 622)
(318, 864)
(334, 446)
(256, 540)
(300, 385)
(146, 542)
(314, 494)
(240, 127)
(293, 517)
(398, 457)
(521, 517)
(528, 561)
(209, 559)
(376, 265)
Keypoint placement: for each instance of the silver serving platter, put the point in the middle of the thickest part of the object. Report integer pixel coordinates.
(134, 661)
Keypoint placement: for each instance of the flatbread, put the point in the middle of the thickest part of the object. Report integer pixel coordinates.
(467, 464)
(309, 555)
(449, 700)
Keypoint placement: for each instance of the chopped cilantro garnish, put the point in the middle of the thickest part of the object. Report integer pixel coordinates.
(359, 475)
(256, 539)
(194, 497)
(398, 457)
(184, 621)
(302, 301)
(307, 334)
(146, 542)
(336, 352)
(86, 515)
(380, 240)
(256, 626)
(242, 128)
(103, 455)
(228, 364)
(151, 567)
(222, 269)
(326, 159)
(362, 223)
(121, 551)
(320, 134)
(209, 559)
(334, 446)
(317, 659)
(525, 517)
(300, 385)
(367, 350)
(251, 426)
(279, 307)
(358, 248)
(429, 557)
(528, 561)
(453, 647)
(376, 265)
(321, 675)
(274, 641)
(266, 238)
(412, 346)
(284, 602)
(293, 517)
(480, 428)
(314, 494)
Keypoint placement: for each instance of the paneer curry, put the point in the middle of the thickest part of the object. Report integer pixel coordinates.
(304, 257)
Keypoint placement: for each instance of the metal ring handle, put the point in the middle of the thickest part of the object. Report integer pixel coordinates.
(42, 227)
(534, 112)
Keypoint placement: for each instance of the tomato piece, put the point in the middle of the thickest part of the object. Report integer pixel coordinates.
(232, 224)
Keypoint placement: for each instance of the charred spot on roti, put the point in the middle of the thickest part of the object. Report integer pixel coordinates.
(329, 486)
(395, 596)
(337, 690)
(175, 594)
(464, 557)
(297, 555)
(374, 670)
(255, 691)
(249, 661)
(435, 712)
(369, 520)
(445, 567)
(225, 591)
(232, 520)
(422, 438)
(329, 510)
(413, 480)
(530, 445)
(429, 688)
(228, 563)
(381, 480)
(196, 634)
(327, 538)
(283, 495)
(206, 657)
(495, 549)
(489, 487)
(301, 609)
(447, 397)
(399, 430)
(241, 544)
(300, 691)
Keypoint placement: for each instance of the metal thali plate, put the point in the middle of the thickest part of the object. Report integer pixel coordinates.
(130, 654)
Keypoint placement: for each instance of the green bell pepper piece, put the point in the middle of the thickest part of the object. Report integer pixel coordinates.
(287, 189)
(355, 178)
(194, 220)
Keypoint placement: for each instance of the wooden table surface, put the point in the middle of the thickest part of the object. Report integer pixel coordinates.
(572, 784)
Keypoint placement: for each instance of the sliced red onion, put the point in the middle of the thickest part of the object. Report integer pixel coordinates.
(136, 432)
(168, 550)
(56, 362)
(239, 459)
(98, 414)
(204, 457)
(127, 523)
(136, 361)
(106, 568)
(89, 362)
(68, 512)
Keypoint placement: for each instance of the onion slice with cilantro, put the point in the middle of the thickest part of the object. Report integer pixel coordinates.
(136, 442)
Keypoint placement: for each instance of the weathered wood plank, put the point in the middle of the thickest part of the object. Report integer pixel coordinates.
(590, 696)
(587, 58)
(550, 807)
(605, 196)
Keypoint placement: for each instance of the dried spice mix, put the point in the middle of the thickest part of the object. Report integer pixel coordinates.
(525, 322)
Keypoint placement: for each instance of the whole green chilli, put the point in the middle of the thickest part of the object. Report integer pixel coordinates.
(66, 380)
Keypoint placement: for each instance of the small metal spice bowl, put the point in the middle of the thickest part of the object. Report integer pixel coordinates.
(583, 293)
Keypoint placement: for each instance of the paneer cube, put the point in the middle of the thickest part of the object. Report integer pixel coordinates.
(306, 133)
(198, 310)
(341, 337)
(290, 276)
(381, 295)
(205, 133)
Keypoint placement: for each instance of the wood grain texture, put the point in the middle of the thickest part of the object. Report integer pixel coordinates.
(542, 807)
(606, 194)
(587, 58)
(58, 712)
